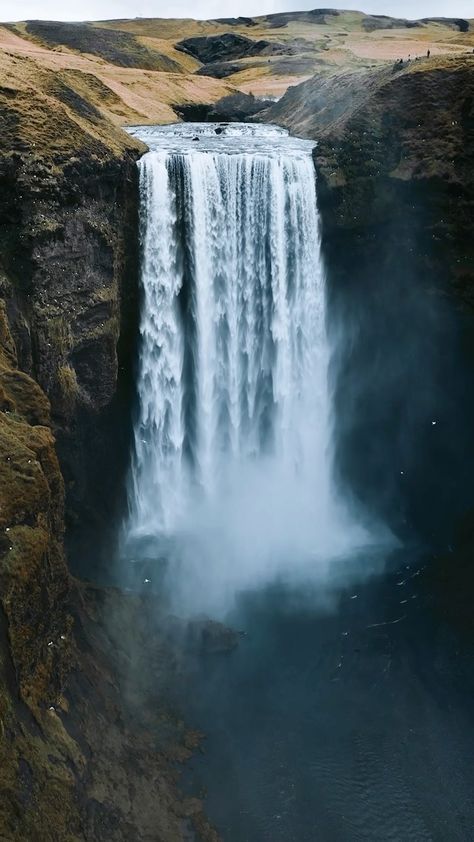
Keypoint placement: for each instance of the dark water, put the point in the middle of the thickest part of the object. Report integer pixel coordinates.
(338, 719)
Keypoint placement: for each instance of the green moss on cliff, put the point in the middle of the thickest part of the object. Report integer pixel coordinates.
(33, 572)
(35, 626)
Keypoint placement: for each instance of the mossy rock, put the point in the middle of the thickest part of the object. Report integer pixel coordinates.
(29, 400)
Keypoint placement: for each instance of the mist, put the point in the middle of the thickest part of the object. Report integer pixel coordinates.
(232, 479)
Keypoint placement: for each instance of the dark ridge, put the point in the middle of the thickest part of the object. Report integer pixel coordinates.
(208, 49)
(456, 23)
(238, 107)
(220, 69)
(317, 16)
(114, 46)
(374, 22)
(284, 66)
(236, 21)
(192, 112)
(291, 62)
(94, 86)
(319, 102)
(295, 65)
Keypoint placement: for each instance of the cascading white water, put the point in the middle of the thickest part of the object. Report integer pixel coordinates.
(232, 457)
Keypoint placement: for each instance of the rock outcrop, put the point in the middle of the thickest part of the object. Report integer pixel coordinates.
(228, 46)
(33, 574)
(230, 109)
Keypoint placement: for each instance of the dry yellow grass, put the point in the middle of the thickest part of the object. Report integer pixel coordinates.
(129, 95)
(169, 29)
(140, 95)
(340, 42)
(187, 63)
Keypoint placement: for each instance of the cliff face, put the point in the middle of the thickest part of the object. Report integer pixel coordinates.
(33, 573)
(86, 741)
(395, 163)
(408, 149)
(396, 185)
(68, 254)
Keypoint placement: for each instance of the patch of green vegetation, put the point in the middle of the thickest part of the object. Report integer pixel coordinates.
(27, 396)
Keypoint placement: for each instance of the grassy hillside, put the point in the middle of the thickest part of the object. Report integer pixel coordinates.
(138, 70)
(313, 41)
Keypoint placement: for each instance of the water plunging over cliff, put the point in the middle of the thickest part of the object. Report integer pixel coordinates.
(232, 456)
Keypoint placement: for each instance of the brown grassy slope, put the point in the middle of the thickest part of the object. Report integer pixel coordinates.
(125, 95)
(316, 42)
(45, 113)
(113, 46)
(132, 72)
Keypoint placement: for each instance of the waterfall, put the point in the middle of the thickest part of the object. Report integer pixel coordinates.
(232, 449)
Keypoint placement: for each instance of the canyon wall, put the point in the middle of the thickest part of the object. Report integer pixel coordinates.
(396, 193)
(86, 741)
(395, 164)
(69, 267)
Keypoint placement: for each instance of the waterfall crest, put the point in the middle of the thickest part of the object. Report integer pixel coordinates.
(232, 451)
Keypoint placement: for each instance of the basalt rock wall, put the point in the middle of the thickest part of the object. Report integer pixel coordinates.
(395, 164)
(71, 295)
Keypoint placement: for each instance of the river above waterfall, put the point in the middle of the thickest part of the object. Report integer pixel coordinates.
(222, 138)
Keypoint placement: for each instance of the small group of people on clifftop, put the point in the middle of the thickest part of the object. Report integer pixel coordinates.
(401, 61)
